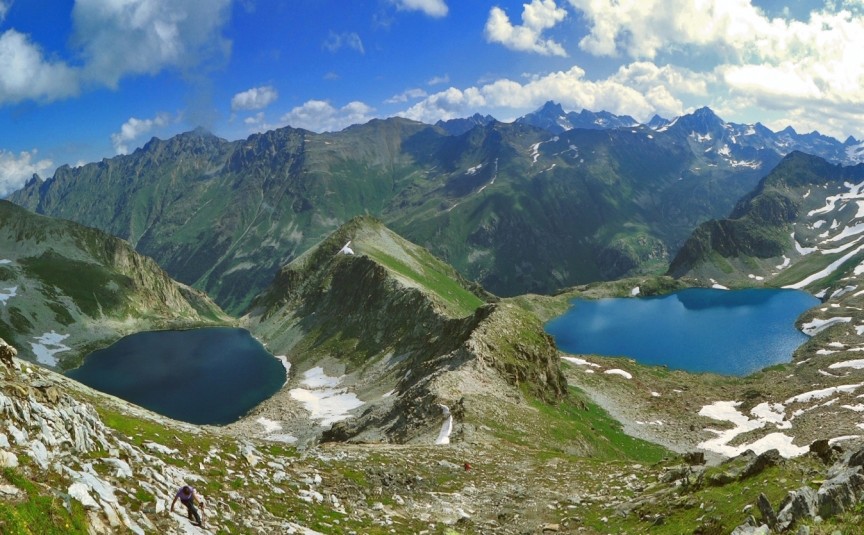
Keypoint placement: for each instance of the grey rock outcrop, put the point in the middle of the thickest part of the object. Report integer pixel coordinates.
(841, 492)
(798, 505)
(7, 354)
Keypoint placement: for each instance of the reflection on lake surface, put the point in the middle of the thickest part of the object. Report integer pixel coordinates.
(733, 332)
(211, 375)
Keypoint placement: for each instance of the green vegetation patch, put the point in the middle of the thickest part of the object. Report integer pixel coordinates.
(462, 302)
(38, 514)
(575, 428)
(91, 286)
(7, 273)
(19, 321)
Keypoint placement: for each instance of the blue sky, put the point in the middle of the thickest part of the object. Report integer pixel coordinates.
(81, 80)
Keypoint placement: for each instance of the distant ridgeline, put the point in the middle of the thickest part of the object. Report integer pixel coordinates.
(548, 201)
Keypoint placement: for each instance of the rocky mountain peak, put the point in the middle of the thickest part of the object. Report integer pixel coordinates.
(702, 121)
(657, 122)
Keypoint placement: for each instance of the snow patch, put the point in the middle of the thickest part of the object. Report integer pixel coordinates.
(322, 399)
(822, 393)
(6, 293)
(857, 364)
(446, 427)
(48, 345)
(270, 431)
(285, 364)
(825, 272)
(816, 325)
(843, 291)
(835, 440)
(801, 249)
(765, 413)
(270, 426)
(635, 291)
(848, 231)
(622, 373)
(473, 170)
(580, 362)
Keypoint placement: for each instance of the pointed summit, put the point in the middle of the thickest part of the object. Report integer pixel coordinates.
(657, 122)
(550, 116)
(550, 108)
(703, 121)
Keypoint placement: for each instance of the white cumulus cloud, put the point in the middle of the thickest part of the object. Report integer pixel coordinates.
(537, 16)
(433, 8)
(127, 37)
(807, 68)
(256, 98)
(638, 89)
(321, 116)
(25, 72)
(113, 39)
(134, 129)
(16, 169)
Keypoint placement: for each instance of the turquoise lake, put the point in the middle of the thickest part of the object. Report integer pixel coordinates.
(731, 332)
(211, 375)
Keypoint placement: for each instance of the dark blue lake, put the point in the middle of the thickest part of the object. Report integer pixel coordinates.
(732, 332)
(212, 375)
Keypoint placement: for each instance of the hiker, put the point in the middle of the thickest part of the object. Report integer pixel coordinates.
(187, 497)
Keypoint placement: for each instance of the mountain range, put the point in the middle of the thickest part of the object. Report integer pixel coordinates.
(514, 206)
(460, 412)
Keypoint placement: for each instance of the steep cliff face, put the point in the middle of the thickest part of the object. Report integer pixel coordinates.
(57, 275)
(403, 331)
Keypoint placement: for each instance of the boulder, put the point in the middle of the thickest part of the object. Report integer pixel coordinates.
(694, 458)
(8, 459)
(7, 354)
(798, 505)
(821, 448)
(81, 492)
(825, 451)
(841, 493)
(856, 458)
(760, 463)
(767, 511)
